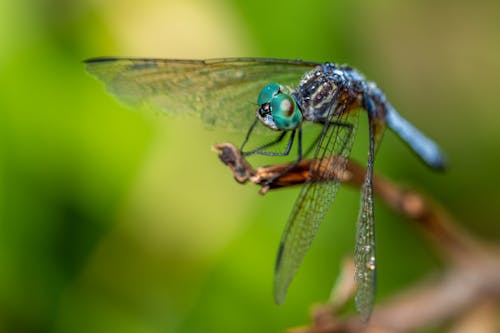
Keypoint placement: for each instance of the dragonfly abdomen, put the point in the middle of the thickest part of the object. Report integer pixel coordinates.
(425, 148)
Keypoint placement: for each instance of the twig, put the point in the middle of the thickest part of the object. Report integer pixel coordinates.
(472, 278)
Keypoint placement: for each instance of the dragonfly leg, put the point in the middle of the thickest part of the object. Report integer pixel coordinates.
(293, 164)
(250, 130)
(260, 150)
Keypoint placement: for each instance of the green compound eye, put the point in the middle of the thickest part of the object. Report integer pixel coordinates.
(277, 110)
(268, 93)
(285, 112)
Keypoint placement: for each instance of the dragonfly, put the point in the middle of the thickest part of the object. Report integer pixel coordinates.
(289, 94)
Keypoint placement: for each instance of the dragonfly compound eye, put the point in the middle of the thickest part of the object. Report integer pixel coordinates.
(268, 93)
(285, 112)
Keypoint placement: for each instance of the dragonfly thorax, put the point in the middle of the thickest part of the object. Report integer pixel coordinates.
(319, 92)
(277, 110)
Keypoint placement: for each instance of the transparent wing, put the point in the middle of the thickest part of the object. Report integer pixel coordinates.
(364, 253)
(314, 200)
(223, 92)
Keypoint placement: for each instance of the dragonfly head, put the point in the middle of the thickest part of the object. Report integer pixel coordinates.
(278, 110)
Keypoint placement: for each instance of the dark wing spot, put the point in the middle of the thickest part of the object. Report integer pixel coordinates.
(279, 257)
(100, 59)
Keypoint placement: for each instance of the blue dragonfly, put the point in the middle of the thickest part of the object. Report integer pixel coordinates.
(290, 93)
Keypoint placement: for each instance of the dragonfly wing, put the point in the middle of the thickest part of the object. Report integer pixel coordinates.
(223, 92)
(364, 253)
(364, 257)
(314, 200)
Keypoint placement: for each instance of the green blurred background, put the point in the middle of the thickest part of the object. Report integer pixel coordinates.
(114, 220)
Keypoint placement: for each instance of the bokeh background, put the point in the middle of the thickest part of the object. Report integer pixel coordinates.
(115, 220)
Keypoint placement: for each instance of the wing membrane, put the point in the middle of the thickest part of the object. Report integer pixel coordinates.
(364, 252)
(223, 92)
(314, 200)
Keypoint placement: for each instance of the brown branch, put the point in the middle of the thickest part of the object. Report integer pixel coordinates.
(472, 278)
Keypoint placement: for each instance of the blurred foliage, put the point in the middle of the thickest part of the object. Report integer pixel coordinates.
(114, 220)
